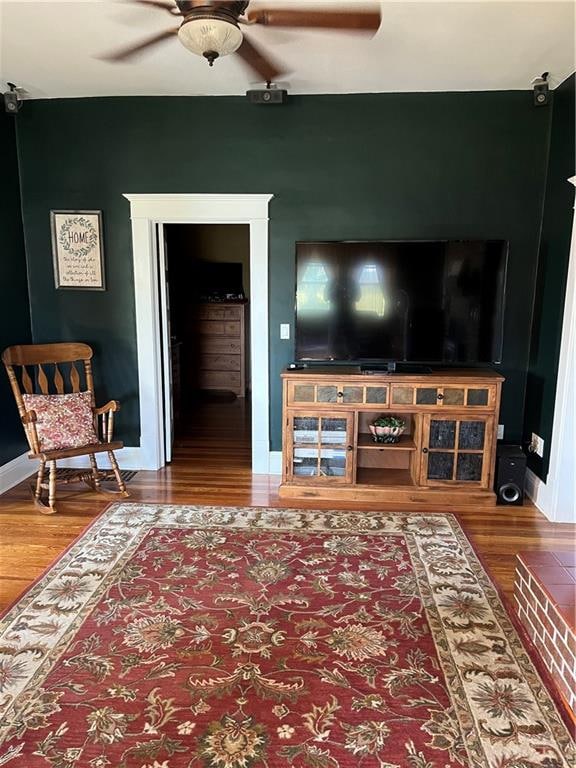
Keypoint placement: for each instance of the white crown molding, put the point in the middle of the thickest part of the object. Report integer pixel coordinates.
(15, 471)
(201, 209)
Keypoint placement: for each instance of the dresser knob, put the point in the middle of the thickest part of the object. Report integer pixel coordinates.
(424, 450)
(440, 397)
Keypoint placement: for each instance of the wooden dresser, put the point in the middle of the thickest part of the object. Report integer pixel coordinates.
(446, 455)
(222, 348)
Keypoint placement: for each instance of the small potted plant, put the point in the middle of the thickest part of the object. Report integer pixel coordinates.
(387, 429)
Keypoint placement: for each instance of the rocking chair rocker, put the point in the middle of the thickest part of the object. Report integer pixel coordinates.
(57, 403)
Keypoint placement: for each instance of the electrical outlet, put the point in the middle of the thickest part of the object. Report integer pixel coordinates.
(500, 431)
(537, 445)
(284, 330)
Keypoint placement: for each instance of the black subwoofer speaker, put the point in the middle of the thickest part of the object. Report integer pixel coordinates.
(510, 473)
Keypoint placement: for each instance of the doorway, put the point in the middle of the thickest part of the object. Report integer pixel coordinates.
(147, 212)
(208, 385)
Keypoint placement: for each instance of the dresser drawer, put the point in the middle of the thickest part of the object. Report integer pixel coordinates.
(220, 362)
(216, 345)
(220, 379)
(220, 313)
(219, 328)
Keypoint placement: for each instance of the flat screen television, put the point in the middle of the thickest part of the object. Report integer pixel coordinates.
(434, 301)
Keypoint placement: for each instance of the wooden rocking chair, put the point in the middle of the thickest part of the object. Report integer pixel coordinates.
(29, 368)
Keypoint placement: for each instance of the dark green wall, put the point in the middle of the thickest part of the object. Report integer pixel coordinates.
(15, 314)
(367, 166)
(552, 272)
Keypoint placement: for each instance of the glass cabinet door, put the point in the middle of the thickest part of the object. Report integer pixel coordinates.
(456, 450)
(320, 448)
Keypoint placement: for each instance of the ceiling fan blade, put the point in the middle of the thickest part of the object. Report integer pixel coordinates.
(164, 5)
(133, 50)
(289, 17)
(258, 61)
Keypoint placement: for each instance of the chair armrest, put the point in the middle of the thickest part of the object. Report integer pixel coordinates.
(112, 406)
(29, 417)
(104, 418)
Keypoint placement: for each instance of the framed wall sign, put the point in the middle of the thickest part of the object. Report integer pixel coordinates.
(77, 249)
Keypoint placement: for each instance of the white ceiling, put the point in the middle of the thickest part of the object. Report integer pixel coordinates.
(50, 49)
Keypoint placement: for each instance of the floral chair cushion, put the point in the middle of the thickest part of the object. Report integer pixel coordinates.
(63, 421)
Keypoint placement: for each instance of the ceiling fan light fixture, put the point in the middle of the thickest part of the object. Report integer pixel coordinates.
(210, 37)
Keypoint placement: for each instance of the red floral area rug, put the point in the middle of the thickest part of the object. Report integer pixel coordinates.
(206, 637)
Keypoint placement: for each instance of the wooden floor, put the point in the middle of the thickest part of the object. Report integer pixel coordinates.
(212, 466)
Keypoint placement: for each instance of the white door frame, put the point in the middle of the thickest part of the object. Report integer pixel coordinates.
(165, 343)
(146, 211)
(556, 497)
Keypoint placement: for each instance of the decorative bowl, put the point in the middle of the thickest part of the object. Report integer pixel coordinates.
(386, 434)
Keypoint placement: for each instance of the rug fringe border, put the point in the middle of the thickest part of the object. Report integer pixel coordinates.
(546, 677)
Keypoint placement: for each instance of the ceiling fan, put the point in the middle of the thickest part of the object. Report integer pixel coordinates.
(212, 28)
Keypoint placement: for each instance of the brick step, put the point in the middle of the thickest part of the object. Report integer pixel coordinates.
(545, 597)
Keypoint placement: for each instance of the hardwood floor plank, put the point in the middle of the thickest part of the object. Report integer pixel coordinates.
(212, 466)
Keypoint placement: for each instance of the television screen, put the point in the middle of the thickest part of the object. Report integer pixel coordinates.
(417, 301)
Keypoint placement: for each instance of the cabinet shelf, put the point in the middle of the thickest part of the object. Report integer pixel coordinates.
(406, 443)
(335, 446)
(383, 477)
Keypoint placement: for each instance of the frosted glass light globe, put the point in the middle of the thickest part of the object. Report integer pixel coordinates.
(210, 36)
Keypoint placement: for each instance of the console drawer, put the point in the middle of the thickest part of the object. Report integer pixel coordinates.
(345, 394)
(405, 396)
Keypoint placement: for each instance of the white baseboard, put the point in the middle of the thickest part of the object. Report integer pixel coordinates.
(275, 463)
(22, 467)
(260, 457)
(128, 458)
(134, 458)
(553, 505)
(535, 488)
(13, 472)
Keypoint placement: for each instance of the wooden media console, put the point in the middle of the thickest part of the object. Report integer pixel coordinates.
(445, 456)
